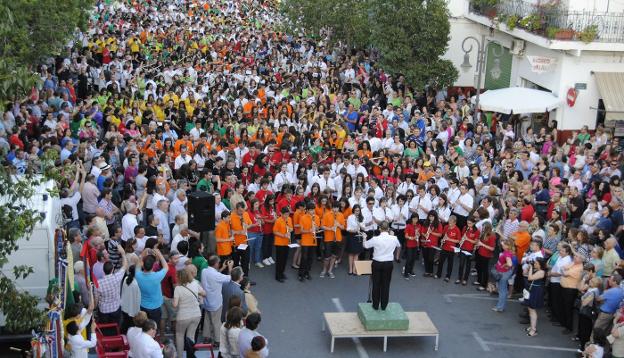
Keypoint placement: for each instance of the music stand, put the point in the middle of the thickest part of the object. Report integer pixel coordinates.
(365, 267)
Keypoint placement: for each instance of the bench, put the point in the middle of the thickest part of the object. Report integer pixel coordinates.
(348, 325)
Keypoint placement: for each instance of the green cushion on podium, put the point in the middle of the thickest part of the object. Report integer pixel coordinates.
(392, 319)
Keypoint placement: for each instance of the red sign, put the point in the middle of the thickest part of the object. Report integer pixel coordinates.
(571, 97)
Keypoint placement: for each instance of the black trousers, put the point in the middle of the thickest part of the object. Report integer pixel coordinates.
(267, 246)
(555, 301)
(411, 255)
(428, 255)
(307, 257)
(241, 258)
(444, 256)
(585, 325)
(481, 265)
(464, 267)
(281, 257)
(567, 308)
(382, 274)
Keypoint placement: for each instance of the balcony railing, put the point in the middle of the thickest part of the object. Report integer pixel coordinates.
(554, 22)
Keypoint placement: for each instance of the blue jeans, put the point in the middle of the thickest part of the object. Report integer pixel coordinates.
(254, 239)
(502, 289)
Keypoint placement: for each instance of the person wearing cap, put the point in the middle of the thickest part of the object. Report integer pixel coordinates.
(282, 229)
(426, 174)
(383, 246)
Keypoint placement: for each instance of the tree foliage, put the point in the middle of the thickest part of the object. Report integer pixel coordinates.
(411, 35)
(29, 31)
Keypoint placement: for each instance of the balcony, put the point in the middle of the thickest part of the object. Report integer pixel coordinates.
(554, 22)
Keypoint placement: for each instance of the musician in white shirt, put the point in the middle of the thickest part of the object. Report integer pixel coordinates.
(382, 212)
(406, 185)
(369, 222)
(281, 178)
(384, 246)
(374, 185)
(324, 181)
(453, 193)
(400, 214)
(357, 199)
(463, 206)
(443, 209)
(421, 204)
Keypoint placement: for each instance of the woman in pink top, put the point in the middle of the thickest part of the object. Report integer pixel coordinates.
(504, 266)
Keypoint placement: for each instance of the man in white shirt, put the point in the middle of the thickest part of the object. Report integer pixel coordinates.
(128, 223)
(145, 345)
(421, 204)
(183, 158)
(281, 178)
(212, 280)
(161, 213)
(463, 206)
(177, 206)
(367, 212)
(248, 333)
(79, 346)
(196, 131)
(383, 247)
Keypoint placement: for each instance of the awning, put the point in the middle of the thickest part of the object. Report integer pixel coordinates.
(517, 100)
(611, 88)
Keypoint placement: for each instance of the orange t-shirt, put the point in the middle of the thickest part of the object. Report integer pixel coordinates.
(329, 220)
(237, 225)
(282, 238)
(522, 241)
(308, 238)
(222, 234)
(297, 221)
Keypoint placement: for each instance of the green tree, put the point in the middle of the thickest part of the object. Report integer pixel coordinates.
(31, 30)
(410, 35)
(18, 219)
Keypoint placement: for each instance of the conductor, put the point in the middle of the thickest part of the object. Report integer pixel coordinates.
(383, 254)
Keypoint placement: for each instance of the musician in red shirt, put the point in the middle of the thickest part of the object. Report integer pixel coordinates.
(430, 233)
(485, 251)
(449, 242)
(412, 234)
(469, 239)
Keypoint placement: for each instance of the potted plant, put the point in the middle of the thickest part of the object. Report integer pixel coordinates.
(531, 22)
(588, 34)
(565, 34)
(512, 22)
(486, 7)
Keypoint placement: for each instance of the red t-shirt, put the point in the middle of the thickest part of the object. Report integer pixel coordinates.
(453, 234)
(168, 283)
(489, 241)
(262, 194)
(267, 227)
(431, 240)
(410, 230)
(471, 234)
(527, 212)
(254, 218)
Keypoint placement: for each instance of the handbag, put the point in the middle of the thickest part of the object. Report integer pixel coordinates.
(526, 294)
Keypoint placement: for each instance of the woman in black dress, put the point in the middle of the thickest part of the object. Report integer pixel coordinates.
(355, 228)
(536, 279)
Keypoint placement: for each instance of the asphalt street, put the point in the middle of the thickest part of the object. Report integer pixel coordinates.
(292, 318)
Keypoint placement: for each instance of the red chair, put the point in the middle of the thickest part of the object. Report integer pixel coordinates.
(102, 353)
(205, 346)
(111, 343)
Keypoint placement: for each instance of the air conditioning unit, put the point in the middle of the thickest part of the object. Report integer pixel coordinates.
(517, 47)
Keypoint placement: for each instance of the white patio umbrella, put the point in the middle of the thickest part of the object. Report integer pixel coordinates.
(516, 100)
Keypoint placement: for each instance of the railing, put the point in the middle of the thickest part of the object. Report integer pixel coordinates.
(554, 22)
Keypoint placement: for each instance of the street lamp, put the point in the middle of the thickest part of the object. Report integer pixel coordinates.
(481, 53)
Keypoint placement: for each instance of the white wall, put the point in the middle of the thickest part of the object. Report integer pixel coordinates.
(596, 5)
(460, 29)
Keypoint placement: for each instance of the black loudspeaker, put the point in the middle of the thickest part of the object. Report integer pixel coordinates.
(201, 211)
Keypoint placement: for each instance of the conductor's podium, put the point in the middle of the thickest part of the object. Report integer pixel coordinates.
(393, 318)
(391, 323)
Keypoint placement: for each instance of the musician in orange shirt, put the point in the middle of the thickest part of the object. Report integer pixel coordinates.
(282, 229)
(333, 222)
(239, 222)
(299, 211)
(223, 235)
(308, 228)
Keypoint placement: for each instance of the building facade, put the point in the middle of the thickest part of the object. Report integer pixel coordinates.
(573, 49)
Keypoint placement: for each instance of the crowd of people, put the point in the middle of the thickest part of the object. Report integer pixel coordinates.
(308, 148)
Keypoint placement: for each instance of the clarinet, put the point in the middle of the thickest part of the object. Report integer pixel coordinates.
(461, 242)
(426, 240)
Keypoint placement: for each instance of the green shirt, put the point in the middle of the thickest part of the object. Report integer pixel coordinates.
(201, 263)
(205, 185)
